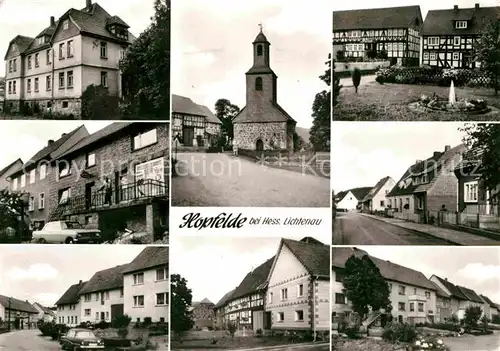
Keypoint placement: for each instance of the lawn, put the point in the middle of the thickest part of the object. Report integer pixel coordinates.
(228, 343)
(389, 102)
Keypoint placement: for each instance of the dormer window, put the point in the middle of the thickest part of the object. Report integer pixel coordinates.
(461, 24)
(65, 24)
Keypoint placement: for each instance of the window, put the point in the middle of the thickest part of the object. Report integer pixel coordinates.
(144, 139)
(259, 50)
(382, 203)
(36, 85)
(64, 196)
(433, 41)
(280, 316)
(412, 307)
(432, 55)
(161, 274)
(65, 24)
(32, 176)
(43, 171)
(97, 316)
(107, 315)
(76, 320)
(70, 79)
(61, 80)
(31, 203)
(28, 86)
(402, 306)
(270, 297)
(15, 65)
(456, 40)
(29, 62)
(420, 203)
(10, 87)
(14, 184)
(461, 24)
(284, 294)
(64, 169)
(401, 290)
(339, 277)
(420, 307)
(23, 180)
(300, 290)
(470, 192)
(70, 48)
(106, 295)
(48, 83)
(41, 201)
(37, 59)
(65, 104)
(340, 299)
(61, 51)
(104, 79)
(47, 57)
(138, 278)
(104, 49)
(258, 84)
(10, 66)
(139, 301)
(299, 316)
(456, 56)
(14, 84)
(427, 295)
(161, 299)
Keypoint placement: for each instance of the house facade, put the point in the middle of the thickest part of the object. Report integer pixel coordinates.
(203, 314)
(263, 125)
(115, 179)
(52, 70)
(45, 314)
(298, 294)
(36, 177)
(449, 36)
(193, 125)
(489, 307)
(17, 313)
(69, 306)
(369, 32)
(350, 200)
(427, 187)
(146, 286)
(7, 171)
(375, 200)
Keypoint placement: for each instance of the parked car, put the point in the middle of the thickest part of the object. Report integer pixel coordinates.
(67, 232)
(81, 339)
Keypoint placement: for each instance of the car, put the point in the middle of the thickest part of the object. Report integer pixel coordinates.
(81, 339)
(67, 232)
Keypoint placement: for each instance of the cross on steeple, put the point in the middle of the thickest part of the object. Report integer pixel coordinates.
(260, 26)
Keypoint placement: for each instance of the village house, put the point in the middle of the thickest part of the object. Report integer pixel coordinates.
(350, 200)
(19, 314)
(298, 293)
(45, 314)
(427, 187)
(369, 32)
(69, 306)
(263, 125)
(449, 36)
(203, 314)
(7, 171)
(221, 309)
(36, 176)
(146, 286)
(101, 298)
(375, 200)
(115, 179)
(489, 307)
(52, 70)
(193, 125)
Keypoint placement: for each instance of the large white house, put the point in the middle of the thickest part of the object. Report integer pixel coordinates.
(69, 306)
(350, 199)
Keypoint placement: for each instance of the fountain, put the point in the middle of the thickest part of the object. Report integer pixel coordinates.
(451, 97)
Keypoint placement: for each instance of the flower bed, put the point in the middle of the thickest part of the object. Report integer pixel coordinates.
(429, 344)
(436, 103)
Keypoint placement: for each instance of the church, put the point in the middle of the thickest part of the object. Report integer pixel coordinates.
(263, 125)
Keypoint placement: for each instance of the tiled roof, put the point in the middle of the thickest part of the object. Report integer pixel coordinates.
(206, 301)
(150, 257)
(452, 288)
(184, 105)
(246, 117)
(117, 20)
(441, 22)
(261, 38)
(470, 294)
(107, 279)
(18, 305)
(391, 17)
(254, 281)
(440, 292)
(45, 309)
(5, 169)
(210, 117)
(359, 193)
(22, 42)
(340, 255)
(224, 298)
(71, 296)
(314, 256)
(488, 301)
(373, 191)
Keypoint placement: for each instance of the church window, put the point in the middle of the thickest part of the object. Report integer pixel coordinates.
(258, 83)
(259, 50)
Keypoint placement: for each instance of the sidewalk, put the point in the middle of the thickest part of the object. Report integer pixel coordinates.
(300, 346)
(452, 236)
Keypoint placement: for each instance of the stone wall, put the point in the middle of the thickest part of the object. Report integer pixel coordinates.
(247, 134)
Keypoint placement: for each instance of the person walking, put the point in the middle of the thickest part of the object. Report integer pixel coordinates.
(235, 148)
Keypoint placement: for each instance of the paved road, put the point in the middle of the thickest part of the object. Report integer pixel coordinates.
(27, 340)
(356, 229)
(474, 343)
(223, 180)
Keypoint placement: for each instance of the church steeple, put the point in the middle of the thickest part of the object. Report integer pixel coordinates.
(261, 54)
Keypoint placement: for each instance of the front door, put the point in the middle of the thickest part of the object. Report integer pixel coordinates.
(103, 316)
(188, 136)
(259, 145)
(267, 321)
(116, 311)
(88, 194)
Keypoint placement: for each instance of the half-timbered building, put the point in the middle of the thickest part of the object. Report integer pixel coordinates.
(449, 36)
(395, 30)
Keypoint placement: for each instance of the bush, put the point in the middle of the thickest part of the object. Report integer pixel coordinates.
(102, 325)
(46, 328)
(258, 333)
(231, 328)
(402, 332)
(147, 321)
(98, 104)
(122, 321)
(444, 326)
(122, 332)
(58, 330)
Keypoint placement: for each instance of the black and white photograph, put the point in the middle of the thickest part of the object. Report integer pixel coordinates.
(240, 136)
(81, 59)
(415, 298)
(270, 293)
(92, 183)
(401, 60)
(415, 183)
(84, 298)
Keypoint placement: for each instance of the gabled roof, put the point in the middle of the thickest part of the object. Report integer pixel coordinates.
(452, 288)
(18, 305)
(71, 296)
(186, 106)
(117, 20)
(206, 301)
(340, 255)
(358, 193)
(440, 292)
(150, 257)
(45, 309)
(391, 17)
(441, 22)
(246, 117)
(107, 279)
(209, 116)
(488, 301)
(470, 294)
(254, 281)
(7, 168)
(224, 299)
(313, 255)
(374, 191)
(21, 41)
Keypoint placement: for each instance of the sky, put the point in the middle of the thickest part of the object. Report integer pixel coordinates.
(30, 17)
(212, 50)
(425, 5)
(369, 151)
(43, 273)
(476, 268)
(213, 266)
(23, 139)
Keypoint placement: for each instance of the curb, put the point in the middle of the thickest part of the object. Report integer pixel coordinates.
(285, 345)
(415, 231)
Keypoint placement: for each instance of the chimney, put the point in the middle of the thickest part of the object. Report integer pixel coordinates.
(89, 3)
(447, 148)
(436, 154)
(455, 8)
(446, 279)
(50, 142)
(63, 135)
(52, 21)
(418, 161)
(476, 6)
(81, 281)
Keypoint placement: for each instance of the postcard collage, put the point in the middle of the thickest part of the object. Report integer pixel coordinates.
(351, 205)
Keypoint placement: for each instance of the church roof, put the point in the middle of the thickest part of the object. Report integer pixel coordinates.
(261, 38)
(279, 115)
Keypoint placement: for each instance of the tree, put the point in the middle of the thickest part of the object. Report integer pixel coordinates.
(472, 316)
(146, 66)
(11, 205)
(298, 142)
(365, 287)
(226, 111)
(319, 135)
(98, 104)
(231, 328)
(182, 298)
(356, 78)
(336, 85)
(488, 51)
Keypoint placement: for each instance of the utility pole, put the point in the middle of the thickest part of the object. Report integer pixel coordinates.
(8, 324)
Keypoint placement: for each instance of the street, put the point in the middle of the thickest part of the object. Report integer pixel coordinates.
(355, 229)
(476, 343)
(27, 340)
(209, 179)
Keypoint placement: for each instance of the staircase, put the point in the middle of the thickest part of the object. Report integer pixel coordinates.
(371, 318)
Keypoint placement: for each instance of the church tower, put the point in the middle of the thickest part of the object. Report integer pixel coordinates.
(260, 79)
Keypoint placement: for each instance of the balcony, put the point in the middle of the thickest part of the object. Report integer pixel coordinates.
(417, 298)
